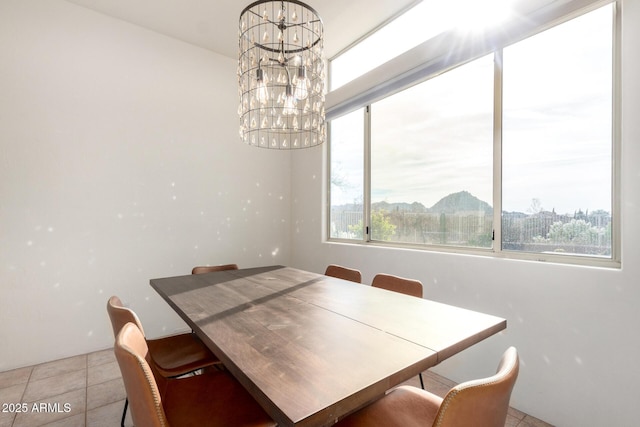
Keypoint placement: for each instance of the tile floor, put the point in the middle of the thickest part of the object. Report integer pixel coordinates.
(87, 390)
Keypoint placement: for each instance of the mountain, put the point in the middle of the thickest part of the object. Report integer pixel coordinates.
(462, 201)
(402, 207)
(459, 202)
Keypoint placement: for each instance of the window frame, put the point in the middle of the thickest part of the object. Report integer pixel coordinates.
(496, 250)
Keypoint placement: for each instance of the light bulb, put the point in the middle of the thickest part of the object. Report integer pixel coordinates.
(289, 102)
(262, 93)
(302, 84)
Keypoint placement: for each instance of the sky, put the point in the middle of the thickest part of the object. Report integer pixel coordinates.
(436, 138)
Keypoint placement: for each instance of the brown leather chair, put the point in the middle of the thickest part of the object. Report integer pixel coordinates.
(172, 356)
(214, 398)
(482, 403)
(212, 268)
(345, 273)
(399, 284)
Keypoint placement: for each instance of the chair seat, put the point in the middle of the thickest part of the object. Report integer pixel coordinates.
(402, 407)
(213, 399)
(176, 354)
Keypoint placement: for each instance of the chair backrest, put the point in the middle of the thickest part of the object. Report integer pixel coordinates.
(398, 284)
(482, 402)
(120, 315)
(212, 268)
(132, 354)
(345, 273)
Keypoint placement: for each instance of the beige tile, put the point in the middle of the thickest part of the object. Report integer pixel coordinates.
(15, 376)
(101, 357)
(516, 413)
(511, 421)
(53, 409)
(105, 393)
(73, 421)
(413, 382)
(529, 421)
(6, 419)
(439, 378)
(108, 416)
(101, 373)
(435, 387)
(58, 367)
(53, 386)
(12, 396)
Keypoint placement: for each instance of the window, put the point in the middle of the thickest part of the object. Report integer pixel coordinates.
(347, 214)
(424, 20)
(511, 153)
(431, 157)
(416, 25)
(556, 139)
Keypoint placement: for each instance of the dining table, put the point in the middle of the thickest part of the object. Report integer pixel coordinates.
(311, 348)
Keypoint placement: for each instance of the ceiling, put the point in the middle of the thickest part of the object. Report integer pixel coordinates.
(213, 24)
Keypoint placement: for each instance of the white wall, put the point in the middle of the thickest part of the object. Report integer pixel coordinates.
(120, 161)
(576, 328)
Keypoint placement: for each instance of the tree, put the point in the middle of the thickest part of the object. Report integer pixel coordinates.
(577, 231)
(535, 207)
(382, 228)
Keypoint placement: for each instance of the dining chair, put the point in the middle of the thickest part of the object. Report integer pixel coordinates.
(410, 287)
(345, 273)
(398, 284)
(482, 403)
(172, 356)
(213, 398)
(212, 268)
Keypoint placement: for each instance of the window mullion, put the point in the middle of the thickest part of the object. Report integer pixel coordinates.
(367, 175)
(497, 152)
(616, 137)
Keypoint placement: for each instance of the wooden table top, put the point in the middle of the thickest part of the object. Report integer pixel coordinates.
(312, 348)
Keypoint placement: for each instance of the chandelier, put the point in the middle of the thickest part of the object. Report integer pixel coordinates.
(281, 75)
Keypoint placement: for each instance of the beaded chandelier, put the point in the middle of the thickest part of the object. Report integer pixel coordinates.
(281, 75)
